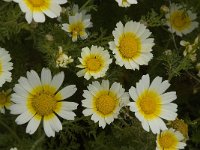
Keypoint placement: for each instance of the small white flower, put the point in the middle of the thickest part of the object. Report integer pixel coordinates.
(181, 21)
(37, 100)
(103, 102)
(94, 62)
(126, 3)
(170, 140)
(37, 9)
(62, 59)
(5, 67)
(14, 148)
(78, 23)
(132, 46)
(151, 104)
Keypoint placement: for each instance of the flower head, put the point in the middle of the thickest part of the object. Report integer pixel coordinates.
(132, 46)
(126, 3)
(40, 99)
(170, 140)
(78, 22)
(190, 49)
(104, 102)
(180, 126)
(151, 103)
(94, 62)
(5, 100)
(5, 66)
(62, 59)
(181, 21)
(35, 9)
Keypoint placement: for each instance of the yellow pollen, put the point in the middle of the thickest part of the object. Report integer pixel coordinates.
(105, 104)
(37, 3)
(129, 45)
(168, 140)
(180, 20)
(44, 102)
(93, 64)
(76, 28)
(149, 104)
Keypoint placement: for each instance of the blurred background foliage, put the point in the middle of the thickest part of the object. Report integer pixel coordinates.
(30, 48)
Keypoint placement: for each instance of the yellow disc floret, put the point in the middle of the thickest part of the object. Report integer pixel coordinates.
(167, 140)
(129, 46)
(149, 104)
(180, 20)
(93, 64)
(43, 100)
(105, 103)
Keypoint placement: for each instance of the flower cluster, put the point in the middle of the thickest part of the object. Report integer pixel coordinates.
(41, 99)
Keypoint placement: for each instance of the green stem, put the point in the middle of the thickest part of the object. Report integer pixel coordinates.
(10, 130)
(84, 5)
(37, 142)
(191, 75)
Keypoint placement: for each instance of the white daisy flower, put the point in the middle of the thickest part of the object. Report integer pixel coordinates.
(5, 101)
(126, 3)
(170, 140)
(35, 9)
(77, 25)
(40, 99)
(151, 103)
(5, 67)
(104, 102)
(180, 20)
(94, 62)
(132, 46)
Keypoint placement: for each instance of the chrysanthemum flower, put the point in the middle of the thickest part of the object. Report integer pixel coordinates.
(126, 3)
(78, 22)
(104, 102)
(5, 66)
(35, 9)
(132, 46)
(40, 99)
(95, 62)
(151, 103)
(5, 100)
(170, 140)
(181, 21)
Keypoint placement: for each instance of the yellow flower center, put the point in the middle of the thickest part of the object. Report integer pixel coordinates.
(37, 5)
(149, 104)
(180, 20)
(105, 103)
(43, 100)
(3, 98)
(93, 64)
(77, 28)
(129, 45)
(168, 140)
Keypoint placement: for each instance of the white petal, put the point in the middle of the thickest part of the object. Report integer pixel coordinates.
(67, 106)
(68, 115)
(58, 80)
(24, 117)
(47, 129)
(38, 16)
(55, 123)
(168, 97)
(145, 125)
(133, 93)
(46, 76)
(33, 124)
(67, 91)
(87, 112)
